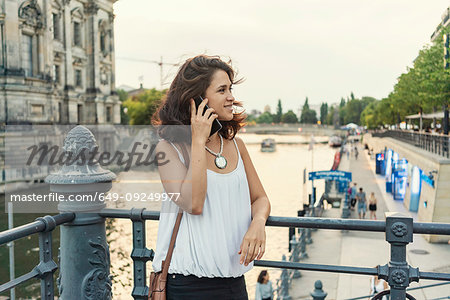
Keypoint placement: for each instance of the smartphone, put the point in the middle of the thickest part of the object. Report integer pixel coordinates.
(216, 126)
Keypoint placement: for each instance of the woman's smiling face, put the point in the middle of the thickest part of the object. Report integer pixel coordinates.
(219, 95)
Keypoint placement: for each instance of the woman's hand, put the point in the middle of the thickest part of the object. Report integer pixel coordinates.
(254, 242)
(201, 123)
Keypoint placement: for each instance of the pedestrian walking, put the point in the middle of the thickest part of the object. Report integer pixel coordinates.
(356, 152)
(373, 206)
(362, 205)
(264, 289)
(221, 207)
(353, 196)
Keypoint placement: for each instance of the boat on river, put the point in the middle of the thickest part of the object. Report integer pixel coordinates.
(335, 141)
(268, 145)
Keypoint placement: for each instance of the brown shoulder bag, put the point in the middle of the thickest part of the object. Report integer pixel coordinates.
(158, 280)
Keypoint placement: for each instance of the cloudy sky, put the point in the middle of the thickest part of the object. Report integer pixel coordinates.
(287, 49)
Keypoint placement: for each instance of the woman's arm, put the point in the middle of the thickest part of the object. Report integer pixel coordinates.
(175, 177)
(258, 295)
(254, 241)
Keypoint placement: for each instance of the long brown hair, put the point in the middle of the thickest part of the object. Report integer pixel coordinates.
(192, 80)
(261, 276)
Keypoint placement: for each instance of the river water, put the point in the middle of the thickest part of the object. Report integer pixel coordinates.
(281, 173)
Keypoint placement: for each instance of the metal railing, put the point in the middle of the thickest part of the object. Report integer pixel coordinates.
(408, 289)
(437, 144)
(83, 240)
(397, 272)
(47, 266)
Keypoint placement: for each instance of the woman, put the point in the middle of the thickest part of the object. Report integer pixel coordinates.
(264, 290)
(225, 207)
(373, 206)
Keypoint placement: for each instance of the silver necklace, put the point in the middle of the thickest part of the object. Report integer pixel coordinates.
(220, 161)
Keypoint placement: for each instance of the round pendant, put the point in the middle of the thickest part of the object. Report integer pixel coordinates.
(220, 162)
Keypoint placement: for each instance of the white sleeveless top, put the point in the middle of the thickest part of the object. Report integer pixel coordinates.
(207, 245)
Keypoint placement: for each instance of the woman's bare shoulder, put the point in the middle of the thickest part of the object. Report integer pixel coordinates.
(166, 147)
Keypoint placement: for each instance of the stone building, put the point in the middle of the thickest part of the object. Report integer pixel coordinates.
(57, 62)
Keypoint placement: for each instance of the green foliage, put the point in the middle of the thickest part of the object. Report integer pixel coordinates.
(289, 117)
(423, 87)
(265, 117)
(141, 107)
(308, 115)
(279, 114)
(330, 116)
(250, 118)
(124, 117)
(323, 113)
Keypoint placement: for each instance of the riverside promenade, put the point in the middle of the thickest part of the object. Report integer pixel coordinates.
(367, 249)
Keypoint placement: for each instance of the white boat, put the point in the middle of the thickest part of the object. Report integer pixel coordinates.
(268, 145)
(335, 141)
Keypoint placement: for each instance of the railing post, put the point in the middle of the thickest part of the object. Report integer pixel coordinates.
(140, 255)
(295, 256)
(46, 266)
(399, 232)
(84, 252)
(345, 208)
(303, 253)
(318, 293)
(284, 289)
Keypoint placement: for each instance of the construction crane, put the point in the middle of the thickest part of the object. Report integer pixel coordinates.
(160, 63)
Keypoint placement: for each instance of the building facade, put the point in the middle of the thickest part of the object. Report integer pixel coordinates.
(57, 62)
(445, 22)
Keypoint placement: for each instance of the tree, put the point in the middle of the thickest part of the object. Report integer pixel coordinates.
(265, 117)
(308, 115)
(330, 116)
(323, 113)
(423, 88)
(141, 107)
(124, 117)
(352, 96)
(342, 111)
(277, 116)
(289, 117)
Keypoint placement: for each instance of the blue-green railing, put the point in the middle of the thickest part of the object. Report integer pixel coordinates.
(397, 272)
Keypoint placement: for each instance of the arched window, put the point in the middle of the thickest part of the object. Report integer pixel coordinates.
(32, 27)
(78, 24)
(57, 20)
(104, 30)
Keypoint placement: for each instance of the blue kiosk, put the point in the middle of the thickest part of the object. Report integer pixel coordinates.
(399, 179)
(380, 163)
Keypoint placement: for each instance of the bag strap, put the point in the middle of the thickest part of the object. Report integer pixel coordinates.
(176, 227)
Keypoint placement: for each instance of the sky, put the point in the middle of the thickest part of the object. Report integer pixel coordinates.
(287, 49)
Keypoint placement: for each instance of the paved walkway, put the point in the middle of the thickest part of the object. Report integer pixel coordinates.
(367, 249)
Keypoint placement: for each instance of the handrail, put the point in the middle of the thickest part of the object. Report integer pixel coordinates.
(434, 143)
(37, 226)
(307, 222)
(402, 229)
(408, 289)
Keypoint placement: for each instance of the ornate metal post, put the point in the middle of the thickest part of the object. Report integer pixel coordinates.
(303, 253)
(295, 256)
(308, 230)
(399, 232)
(284, 290)
(345, 208)
(84, 252)
(318, 293)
